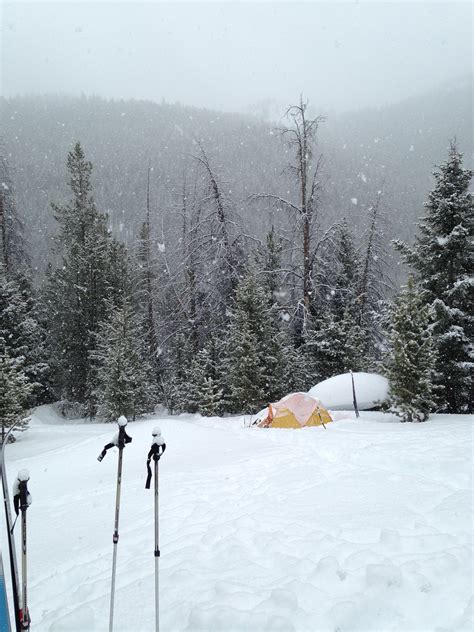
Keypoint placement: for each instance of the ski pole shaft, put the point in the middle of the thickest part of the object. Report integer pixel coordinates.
(24, 500)
(11, 539)
(157, 450)
(25, 619)
(115, 538)
(157, 552)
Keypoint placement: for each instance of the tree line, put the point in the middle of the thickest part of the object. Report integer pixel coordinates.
(219, 321)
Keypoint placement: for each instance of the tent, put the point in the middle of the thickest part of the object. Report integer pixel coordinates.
(296, 410)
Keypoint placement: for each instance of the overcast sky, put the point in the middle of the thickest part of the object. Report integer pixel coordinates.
(234, 55)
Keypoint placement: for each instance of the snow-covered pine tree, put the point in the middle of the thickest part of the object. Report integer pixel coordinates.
(411, 357)
(253, 352)
(21, 333)
(268, 260)
(15, 391)
(77, 291)
(22, 336)
(442, 259)
(344, 295)
(374, 280)
(206, 382)
(124, 381)
(13, 251)
(335, 343)
(298, 370)
(146, 274)
(176, 384)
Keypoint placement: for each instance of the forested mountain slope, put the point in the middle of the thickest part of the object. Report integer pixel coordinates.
(392, 148)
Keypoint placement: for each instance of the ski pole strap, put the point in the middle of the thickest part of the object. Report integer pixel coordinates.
(13, 525)
(149, 475)
(156, 450)
(104, 451)
(16, 504)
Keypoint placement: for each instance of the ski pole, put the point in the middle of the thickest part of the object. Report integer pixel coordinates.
(120, 440)
(4, 614)
(21, 501)
(11, 539)
(157, 449)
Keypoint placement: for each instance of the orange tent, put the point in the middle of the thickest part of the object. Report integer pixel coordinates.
(296, 410)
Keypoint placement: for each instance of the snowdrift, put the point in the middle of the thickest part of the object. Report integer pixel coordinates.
(336, 392)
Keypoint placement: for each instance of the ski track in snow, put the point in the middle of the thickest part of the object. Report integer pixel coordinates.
(363, 526)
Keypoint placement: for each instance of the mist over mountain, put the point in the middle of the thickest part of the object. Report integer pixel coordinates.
(392, 148)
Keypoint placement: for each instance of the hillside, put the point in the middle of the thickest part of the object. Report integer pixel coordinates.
(392, 148)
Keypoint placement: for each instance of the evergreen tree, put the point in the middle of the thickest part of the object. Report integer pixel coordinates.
(335, 343)
(13, 252)
(298, 369)
(268, 260)
(335, 346)
(15, 390)
(344, 299)
(206, 383)
(374, 281)
(146, 272)
(253, 353)
(22, 336)
(124, 376)
(443, 263)
(176, 382)
(411, 359)
(78, 290)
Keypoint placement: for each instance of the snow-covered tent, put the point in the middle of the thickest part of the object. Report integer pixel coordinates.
(296, 410)
(336, 392)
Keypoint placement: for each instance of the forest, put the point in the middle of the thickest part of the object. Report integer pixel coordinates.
(215, 271)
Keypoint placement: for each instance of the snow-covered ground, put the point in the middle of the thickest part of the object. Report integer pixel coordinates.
(365, 525)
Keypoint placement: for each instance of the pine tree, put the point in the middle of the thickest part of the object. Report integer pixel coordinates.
(78, 291)
(146, 276)
(124, 376)
(344, 297)
(335, 342)
(22, 336)
(374, 280)
(268, 260)
(443, 263)
(15, 390)
(176, 384)
(335, 346)
(14, 259)
(253, 351)
(298, 369)
(411, 358)
(206, 383)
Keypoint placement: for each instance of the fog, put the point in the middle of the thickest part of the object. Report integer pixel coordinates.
(236, 56)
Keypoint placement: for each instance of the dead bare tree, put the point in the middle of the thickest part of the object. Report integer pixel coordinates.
(223, 233)
(300, 136)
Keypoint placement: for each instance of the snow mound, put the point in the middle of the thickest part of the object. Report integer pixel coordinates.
(336, 392)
